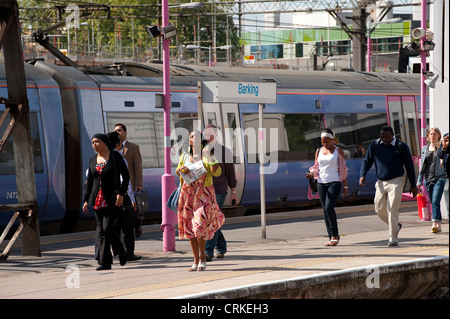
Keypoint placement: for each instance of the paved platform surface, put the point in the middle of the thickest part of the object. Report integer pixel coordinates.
(294, 248)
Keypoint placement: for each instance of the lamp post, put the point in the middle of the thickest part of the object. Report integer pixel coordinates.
(169, 218)
(369, 24)
(423, 87)
(167, 180)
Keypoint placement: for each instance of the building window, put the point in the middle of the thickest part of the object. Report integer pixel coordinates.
(299, 50)
(269, 51)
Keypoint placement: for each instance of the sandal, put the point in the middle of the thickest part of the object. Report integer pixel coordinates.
(194, 267)
(436, 228)
(334, 241)
(202, 266)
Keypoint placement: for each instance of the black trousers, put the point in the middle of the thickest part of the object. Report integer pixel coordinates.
(125, 224)
(107, 236)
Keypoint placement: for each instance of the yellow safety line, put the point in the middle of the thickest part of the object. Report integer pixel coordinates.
(238, 273)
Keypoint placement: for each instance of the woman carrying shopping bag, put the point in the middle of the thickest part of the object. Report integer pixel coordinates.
(433, 173)
(330, 171)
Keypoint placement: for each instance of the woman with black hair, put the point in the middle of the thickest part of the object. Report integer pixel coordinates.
(199, 215)
(105, 169)
(330, 171)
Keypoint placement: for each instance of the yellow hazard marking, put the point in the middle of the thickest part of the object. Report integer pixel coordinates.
(238, 273)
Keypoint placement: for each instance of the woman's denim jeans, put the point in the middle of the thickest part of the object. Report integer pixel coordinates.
(329, 193)
(435, 191)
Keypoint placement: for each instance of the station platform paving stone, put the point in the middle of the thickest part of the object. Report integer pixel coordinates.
(294, 248)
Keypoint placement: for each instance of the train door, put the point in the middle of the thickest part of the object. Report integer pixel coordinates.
(403, 119)
(225, 116)
(402, 116)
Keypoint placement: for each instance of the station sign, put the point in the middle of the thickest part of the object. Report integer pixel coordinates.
(239, 92)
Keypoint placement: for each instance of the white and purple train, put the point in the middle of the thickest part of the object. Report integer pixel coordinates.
(67, 106)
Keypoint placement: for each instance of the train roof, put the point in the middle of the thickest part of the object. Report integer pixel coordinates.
(145, 75)
(188, 76)
(34, 76)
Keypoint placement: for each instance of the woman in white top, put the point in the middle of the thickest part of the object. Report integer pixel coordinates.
(330, 171)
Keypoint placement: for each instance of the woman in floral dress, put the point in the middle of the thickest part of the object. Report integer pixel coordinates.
(199, 215)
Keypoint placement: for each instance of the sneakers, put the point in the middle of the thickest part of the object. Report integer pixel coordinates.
(392, 243)
(218, 255)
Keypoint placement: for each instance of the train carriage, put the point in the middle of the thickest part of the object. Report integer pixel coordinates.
(354, 104)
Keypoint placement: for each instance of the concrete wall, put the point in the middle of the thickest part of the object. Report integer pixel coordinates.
(422, 278)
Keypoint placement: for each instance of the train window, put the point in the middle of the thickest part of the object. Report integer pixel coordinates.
(7, 165)
(211, 118)
(355, 132)
(289, 137)
(297, 136)
(147, 131)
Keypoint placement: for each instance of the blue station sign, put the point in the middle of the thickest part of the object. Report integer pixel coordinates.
(239, 92)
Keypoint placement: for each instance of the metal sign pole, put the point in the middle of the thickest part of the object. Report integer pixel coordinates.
(261, 171)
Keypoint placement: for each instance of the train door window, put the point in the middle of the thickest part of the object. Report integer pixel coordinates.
(211, 119)
(232, 132)
(225, 117)
(395, 118)
(403, 119)
(7, 165)
(409, 109)
(147, 131)
(181, 125)
(231, 120)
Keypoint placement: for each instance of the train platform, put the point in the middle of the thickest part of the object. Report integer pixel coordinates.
(292, 253)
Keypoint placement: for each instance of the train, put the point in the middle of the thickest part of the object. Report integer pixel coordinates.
(68, 105)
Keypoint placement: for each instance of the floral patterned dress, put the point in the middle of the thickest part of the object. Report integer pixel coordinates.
(198, 212)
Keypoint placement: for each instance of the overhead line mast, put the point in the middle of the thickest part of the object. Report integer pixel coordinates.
(357, 33)
(235, 7)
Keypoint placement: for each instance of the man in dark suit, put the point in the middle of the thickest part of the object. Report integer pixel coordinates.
(133, 156)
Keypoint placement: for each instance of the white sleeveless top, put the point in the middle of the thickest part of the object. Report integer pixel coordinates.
(328, 167)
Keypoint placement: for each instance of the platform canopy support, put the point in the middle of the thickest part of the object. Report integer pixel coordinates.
(17, 113)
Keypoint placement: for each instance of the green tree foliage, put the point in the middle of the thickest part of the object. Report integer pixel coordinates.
(123, 25)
